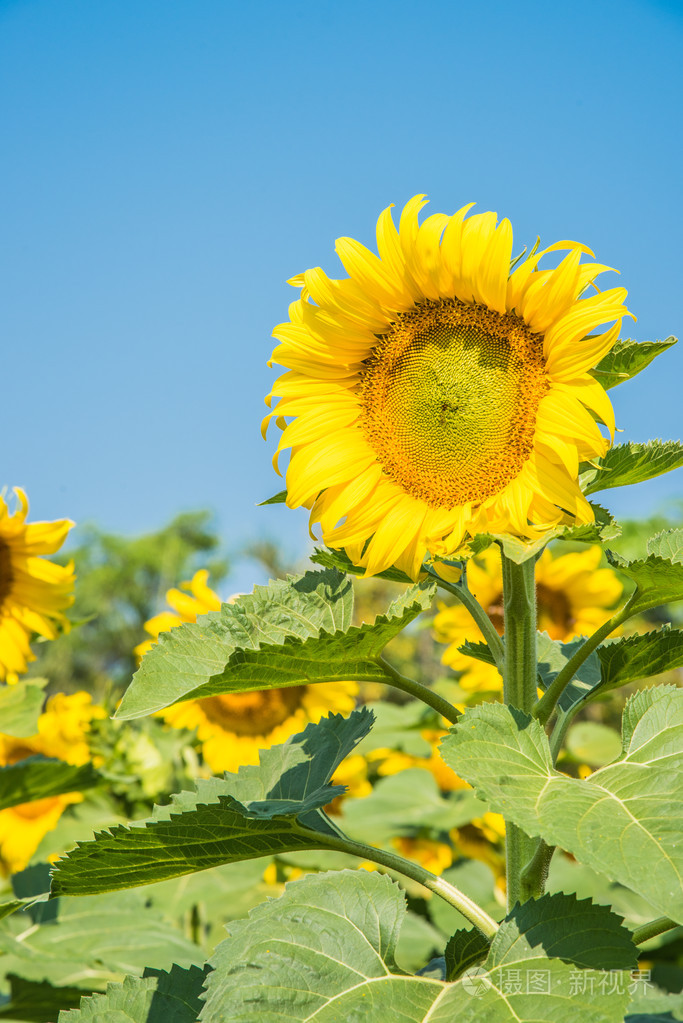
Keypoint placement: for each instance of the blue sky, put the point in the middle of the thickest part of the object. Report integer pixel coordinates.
(168, 164)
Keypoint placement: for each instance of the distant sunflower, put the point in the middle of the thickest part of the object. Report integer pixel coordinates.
(62, 733)
(34, 592)
(234, 727)
(574, 598)
(435, 394)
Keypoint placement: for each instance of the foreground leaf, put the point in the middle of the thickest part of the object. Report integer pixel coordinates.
(39, 778)
(625, 464)
(324, 951)
(260, 811)
(624, 820)
(639, 657)
(89, 941)
(658, 578)
(289, 633)
(577, 931)
(158, 997)
(627, 359)
(20, 707)
(38, 1001)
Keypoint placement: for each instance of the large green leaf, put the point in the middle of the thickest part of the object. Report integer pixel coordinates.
(20, 707)
(93, 940)
(286, 634)
(639, 657)
(158, 997)
(627, 359)
(624, 820)
(39, 778)
(579, 932)
(260, 811)
(324, 951)
(629, 463)
(658, 577)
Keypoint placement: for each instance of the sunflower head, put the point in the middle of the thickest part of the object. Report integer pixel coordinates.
(34, 592)
(435, 393)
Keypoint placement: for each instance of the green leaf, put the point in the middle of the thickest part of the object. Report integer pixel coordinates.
(590, 742)
(93, 940)
(38, 1001)
(627, 359)
(286, 634)
(158, 997)
(329, 558)
(20, 707)
(260, 811)
(465, 949)
(658, 580)
(404, 802)
(325, 951)
(624, 820)
(279, 498)
(639, 657)
(667, 544)
(39, 778)
(625, 464)
(579, 932)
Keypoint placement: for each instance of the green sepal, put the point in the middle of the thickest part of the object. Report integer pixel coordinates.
(628, 358)
(279, 498)
(626, 464)
(329, 558)
(605, 527)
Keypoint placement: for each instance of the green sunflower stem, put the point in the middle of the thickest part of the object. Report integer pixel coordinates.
(519, 690)
(486, 626)
(651, 930)
(420, 692)
(448, 892)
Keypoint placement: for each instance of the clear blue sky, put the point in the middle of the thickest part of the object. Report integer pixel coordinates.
(168, 164)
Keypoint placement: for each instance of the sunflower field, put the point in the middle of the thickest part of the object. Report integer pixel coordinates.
(436, 772)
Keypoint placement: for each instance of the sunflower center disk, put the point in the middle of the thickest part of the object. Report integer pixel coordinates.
(450, 396)
(255, 713)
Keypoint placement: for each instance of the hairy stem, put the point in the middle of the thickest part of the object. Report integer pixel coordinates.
(519, 690)
(448, 892)
(420, 692)
(486, 626)
(546, 704)
(651, 930)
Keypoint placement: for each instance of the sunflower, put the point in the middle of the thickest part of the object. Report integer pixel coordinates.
(34, 592)
(234, 727)
(574, 597)
(62, 733)
(434, 394)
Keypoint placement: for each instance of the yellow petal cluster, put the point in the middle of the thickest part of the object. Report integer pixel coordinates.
(62, 733)
(433, 393)
(234, 727)
(574, 597)
(34, 592)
